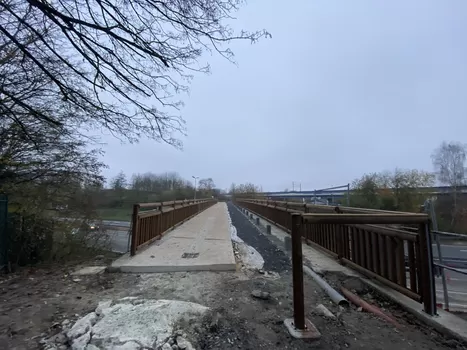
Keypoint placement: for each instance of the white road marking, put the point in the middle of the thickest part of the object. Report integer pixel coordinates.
(449, 279)
(452, 292)
(464, 250)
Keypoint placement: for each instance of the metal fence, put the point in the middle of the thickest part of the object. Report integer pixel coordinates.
(150, 225)
(4, 238)
(364, 240)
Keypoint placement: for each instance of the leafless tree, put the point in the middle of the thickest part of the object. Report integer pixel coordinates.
(120, 63)
(449, 162)
(206, 184)
(41, 145)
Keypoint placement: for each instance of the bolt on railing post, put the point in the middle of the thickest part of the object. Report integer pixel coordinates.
(297, 271)
(134, 229)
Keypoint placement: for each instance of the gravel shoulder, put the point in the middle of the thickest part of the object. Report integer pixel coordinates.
(35, 302)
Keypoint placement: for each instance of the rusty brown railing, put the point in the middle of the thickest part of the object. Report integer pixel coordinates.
(150, 225)
(364, 240)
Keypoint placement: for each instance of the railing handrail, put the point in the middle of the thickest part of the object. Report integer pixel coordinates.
(365, 219)
(168, 203)
(442, 233)
(349, 210)
(165, 209)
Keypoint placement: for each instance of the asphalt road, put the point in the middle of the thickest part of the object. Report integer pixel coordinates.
(118, 240)
(454, 255)
(457, 291)
(116, 223)
(118, 232)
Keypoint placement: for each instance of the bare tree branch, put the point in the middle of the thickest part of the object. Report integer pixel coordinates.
(120, 63)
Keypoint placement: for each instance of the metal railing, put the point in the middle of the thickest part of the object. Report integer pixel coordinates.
(148, 226)
(442, 263)
(364, 240)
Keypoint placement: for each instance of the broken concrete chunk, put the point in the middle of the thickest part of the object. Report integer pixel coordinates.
(81, 342)
(183, 344)
(130, 345)
(82, 326)
(166, 346)
(324, 311)
(91, 347)
(260, 294)
(100, 309)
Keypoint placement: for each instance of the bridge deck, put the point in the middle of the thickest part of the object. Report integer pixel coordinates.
(202, 243)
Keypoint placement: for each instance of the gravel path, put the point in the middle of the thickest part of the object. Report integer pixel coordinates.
(274, 258)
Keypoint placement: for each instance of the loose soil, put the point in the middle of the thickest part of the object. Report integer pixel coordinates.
(34, 303)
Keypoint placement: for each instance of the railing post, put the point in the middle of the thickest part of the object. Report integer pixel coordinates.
(160, 220)
(297, 269)
(134, 229)
(299, 327)
(340, 236)
(172, 224)
(426, 265)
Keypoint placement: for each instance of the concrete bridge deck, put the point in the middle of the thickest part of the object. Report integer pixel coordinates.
(202, 243)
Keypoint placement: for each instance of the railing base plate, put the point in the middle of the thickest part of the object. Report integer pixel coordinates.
(310, 331)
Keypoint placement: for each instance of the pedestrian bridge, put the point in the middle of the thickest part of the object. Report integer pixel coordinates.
(196, 236)
(194, 243)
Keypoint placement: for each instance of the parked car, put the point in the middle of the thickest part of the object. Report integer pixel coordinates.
(87, 227)
(94, 226)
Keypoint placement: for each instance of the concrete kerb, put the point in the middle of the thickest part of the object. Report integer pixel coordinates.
(444, 322)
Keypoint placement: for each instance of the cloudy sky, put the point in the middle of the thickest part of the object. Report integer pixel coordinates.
(342, 88)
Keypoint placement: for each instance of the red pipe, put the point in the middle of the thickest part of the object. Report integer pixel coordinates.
(368, 307)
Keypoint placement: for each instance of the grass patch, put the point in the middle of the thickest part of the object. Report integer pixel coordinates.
(115, 214)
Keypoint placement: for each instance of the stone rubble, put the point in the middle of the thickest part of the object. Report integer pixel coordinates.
(128, 324)
(324, 311)
(260, 294)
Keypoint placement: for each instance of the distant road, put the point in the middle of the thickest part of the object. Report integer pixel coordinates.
(116, 223)
(118, 232)
(453, 255)
(457, 291)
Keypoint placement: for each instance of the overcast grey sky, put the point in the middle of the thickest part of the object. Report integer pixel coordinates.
(342, 88)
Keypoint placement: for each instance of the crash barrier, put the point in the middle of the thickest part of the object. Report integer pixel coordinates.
(362, 239)
(150, 225)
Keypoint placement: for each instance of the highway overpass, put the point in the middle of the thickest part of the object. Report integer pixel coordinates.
(331, 195)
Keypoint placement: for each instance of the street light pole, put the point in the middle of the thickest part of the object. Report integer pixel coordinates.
(196, 178)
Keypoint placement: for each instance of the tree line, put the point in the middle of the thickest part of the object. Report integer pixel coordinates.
(151, 187)
(407, 190)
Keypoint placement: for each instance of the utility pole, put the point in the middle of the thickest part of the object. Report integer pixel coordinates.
(293, 186)
(196, 178)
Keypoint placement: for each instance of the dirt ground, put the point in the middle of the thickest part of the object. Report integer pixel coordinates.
(35, 302)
